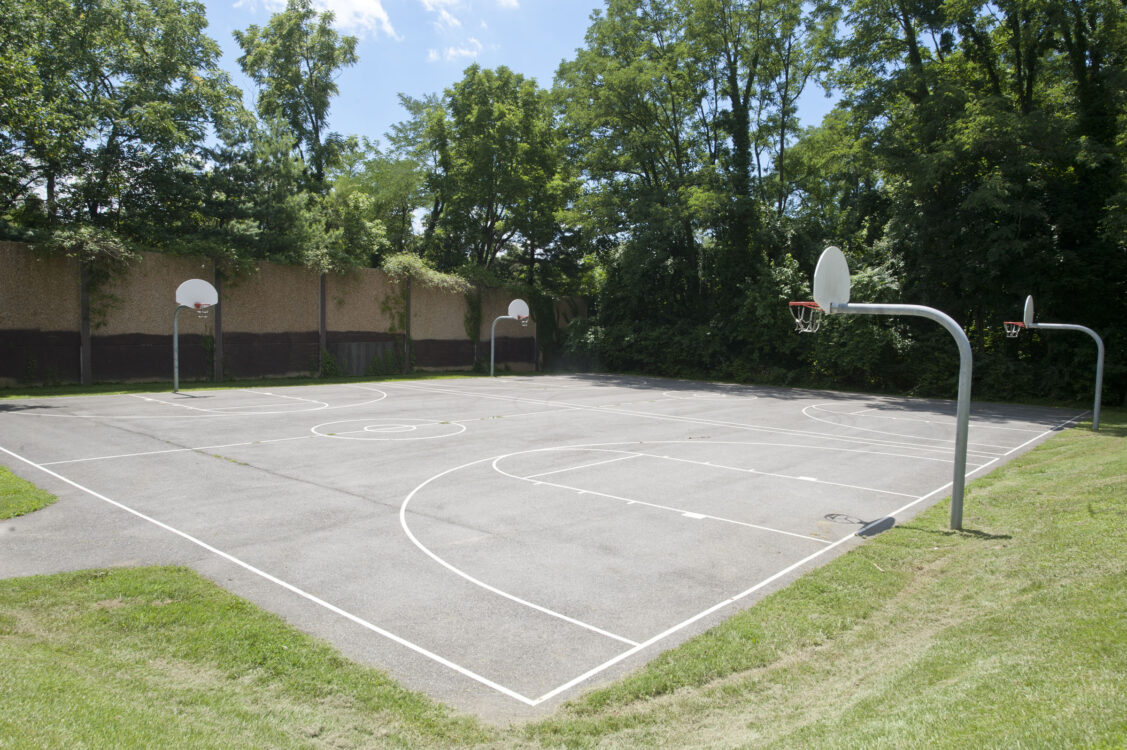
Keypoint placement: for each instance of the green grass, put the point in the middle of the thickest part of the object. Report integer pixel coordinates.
(18, 496)
(1010, 634)
(160, 657)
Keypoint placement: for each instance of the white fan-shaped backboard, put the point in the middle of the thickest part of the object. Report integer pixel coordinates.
(1027, 317)
(518, 308)
(197, 294)
(831, 278)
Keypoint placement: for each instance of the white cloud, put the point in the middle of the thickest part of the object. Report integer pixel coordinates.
(359, 17)
(508, 4)
(446, 21)
(470, 49)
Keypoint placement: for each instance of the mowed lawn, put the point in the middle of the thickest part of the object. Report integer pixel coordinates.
(1009, 634)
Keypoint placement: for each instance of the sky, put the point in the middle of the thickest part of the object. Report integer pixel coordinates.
(420, 47)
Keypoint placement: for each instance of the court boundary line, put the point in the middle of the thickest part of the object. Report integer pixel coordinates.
(805, 412)
(595, 670)
(284, 584)
(789, 569)
(868, 413)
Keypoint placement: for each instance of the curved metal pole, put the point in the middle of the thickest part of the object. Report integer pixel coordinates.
(176, 348)
(1099, 361)
(493, 339)
(962, 418)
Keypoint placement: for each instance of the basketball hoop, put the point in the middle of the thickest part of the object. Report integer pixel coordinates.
(193, 294)
(1013, 328)
(807, 316)
(523, 320)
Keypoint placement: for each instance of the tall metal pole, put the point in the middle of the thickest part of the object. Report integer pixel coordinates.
(962, 418)
(1099, 361)
(493, 339)
(176, 348)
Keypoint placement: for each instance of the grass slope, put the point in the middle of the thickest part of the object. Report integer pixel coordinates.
(18, 496)
(1012, 633)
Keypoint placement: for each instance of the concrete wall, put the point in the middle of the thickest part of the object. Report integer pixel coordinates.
(268, 318)
(40, 317)
(37, 292)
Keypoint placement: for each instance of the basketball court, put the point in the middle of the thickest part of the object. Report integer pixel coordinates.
(500, 544)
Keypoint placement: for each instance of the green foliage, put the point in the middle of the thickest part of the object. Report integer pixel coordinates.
(103, 253)
(295, 60)
(977, 155)
(107, 106)
(868, 351)
(493, 168)
(387, 362)
(472, 320)
(407, 266)
(330, 368)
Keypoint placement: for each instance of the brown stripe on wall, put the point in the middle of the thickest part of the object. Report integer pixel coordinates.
(447, 353)
(32, 356)
(370, 353)
(251, 355)
(442, 353)
(512, 350)
(147, 356)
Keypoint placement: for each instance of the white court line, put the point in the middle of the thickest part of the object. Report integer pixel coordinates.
(767, 581)
(174, 450)
(323, 404)
(588, 674)
(154, 401)
(211, 412)
(949, 423)
(686, 623)
(678, 511)
(902, 444)
(806, 412)
(540, 413)
(632, 501)
(784, 476)
(288, 586)
(585, 466)
(140, 454)
(477, 582)
(600, 447)
(982, 469)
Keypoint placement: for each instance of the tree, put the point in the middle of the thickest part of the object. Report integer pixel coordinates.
(639, 122)
(295, 60)
(494, 167)
(105, 100)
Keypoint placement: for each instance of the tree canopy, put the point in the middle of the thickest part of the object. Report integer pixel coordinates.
(976, 154)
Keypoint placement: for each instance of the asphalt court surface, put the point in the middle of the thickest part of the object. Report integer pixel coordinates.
(500, 544)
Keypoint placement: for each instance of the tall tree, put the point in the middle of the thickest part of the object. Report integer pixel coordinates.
(496, 159)
(640, 121)
(295, 61)
(105, 99)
